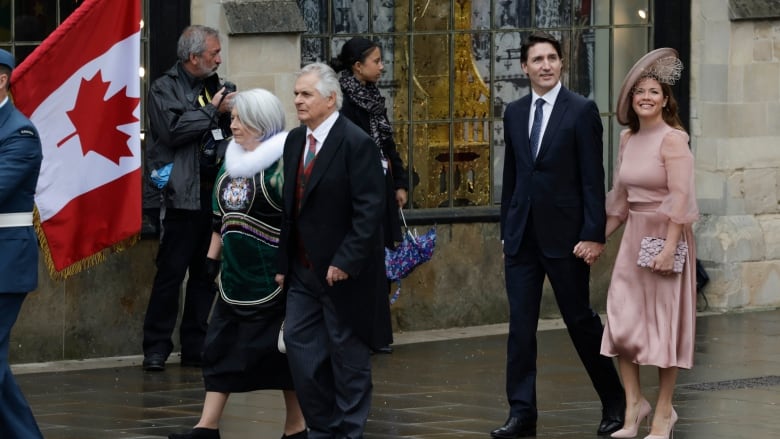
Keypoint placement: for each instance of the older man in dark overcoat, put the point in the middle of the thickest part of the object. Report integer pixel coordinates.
(331, 258)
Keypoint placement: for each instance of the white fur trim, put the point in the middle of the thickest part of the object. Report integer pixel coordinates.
(242, 163)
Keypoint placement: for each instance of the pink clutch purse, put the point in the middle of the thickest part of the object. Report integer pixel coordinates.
(650, 247)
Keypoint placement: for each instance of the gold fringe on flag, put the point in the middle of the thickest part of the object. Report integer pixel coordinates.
(76, 267)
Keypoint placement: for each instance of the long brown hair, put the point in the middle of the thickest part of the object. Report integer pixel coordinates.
(669, 113)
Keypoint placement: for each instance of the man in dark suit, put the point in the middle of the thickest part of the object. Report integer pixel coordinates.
(331, 258)
(20, 164)
(553, 199)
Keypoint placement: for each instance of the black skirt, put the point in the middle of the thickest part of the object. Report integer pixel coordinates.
(240, 352)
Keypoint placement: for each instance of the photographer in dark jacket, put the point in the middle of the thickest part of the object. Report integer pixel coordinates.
(189, 116)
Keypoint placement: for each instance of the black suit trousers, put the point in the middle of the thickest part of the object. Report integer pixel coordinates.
(525, 273)
(186, 235)
(330, 365)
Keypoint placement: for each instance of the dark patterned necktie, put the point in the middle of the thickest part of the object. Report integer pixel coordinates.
(304, 171)
(536, 128)
(311, 151)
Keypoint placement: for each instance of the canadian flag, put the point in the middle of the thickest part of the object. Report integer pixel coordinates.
(81, 89)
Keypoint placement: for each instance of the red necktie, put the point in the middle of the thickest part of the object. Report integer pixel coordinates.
(310, 153)
(305, 169)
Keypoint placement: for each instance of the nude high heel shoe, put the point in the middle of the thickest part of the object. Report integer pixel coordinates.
(669, 428)
(631, 430)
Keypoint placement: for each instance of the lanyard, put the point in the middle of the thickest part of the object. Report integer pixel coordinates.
(200, 97)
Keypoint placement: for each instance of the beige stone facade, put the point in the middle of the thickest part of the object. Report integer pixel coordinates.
(735, 132)
(254, 60)
(735, 124)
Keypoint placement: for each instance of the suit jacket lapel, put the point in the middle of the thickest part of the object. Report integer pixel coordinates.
(559, 109)
(297, 140)
(523, 147)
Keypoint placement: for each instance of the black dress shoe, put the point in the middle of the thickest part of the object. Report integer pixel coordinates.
(197, 433)
(154, 362)
(514, 428)
(610, 424)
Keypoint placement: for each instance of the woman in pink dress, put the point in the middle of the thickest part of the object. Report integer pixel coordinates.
(651, 310)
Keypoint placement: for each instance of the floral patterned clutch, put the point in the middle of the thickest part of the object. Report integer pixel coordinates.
(650, 247)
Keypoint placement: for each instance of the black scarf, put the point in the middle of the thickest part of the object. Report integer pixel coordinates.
(368, 98)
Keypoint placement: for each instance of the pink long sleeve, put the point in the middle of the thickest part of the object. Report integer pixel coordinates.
(680, 204)
(617, 197)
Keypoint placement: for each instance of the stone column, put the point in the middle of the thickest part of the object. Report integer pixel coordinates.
(260, 43)
(735, 124)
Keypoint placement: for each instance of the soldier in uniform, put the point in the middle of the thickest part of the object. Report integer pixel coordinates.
(20, 164)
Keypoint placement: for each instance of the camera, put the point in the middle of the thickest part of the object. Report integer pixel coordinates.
(229, 87)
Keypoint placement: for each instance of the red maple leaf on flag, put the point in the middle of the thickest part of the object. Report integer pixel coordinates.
(97, 119)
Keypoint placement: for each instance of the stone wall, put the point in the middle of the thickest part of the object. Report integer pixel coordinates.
(100, 312)
(96, 313)
(261, 56)
(735, 102)
(463, 284)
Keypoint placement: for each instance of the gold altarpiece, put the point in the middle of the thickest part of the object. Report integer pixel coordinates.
(449, 113)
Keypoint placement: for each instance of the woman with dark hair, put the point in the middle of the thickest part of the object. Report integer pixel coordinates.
(651, 303)
(240, 353)
(360, 67)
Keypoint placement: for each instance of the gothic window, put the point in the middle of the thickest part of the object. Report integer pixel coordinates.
(451, 68)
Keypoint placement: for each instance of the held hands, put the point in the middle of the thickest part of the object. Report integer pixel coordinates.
(279, 278)
(335, 274)
(589, 251)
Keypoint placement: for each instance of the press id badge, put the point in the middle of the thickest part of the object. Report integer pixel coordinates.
(384, 165)
(216, 133)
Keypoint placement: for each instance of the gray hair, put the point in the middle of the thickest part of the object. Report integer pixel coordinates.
(328, 80)
(261, 111)
(193, 41)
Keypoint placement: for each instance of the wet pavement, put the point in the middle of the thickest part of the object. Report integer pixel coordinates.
(436, 384)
